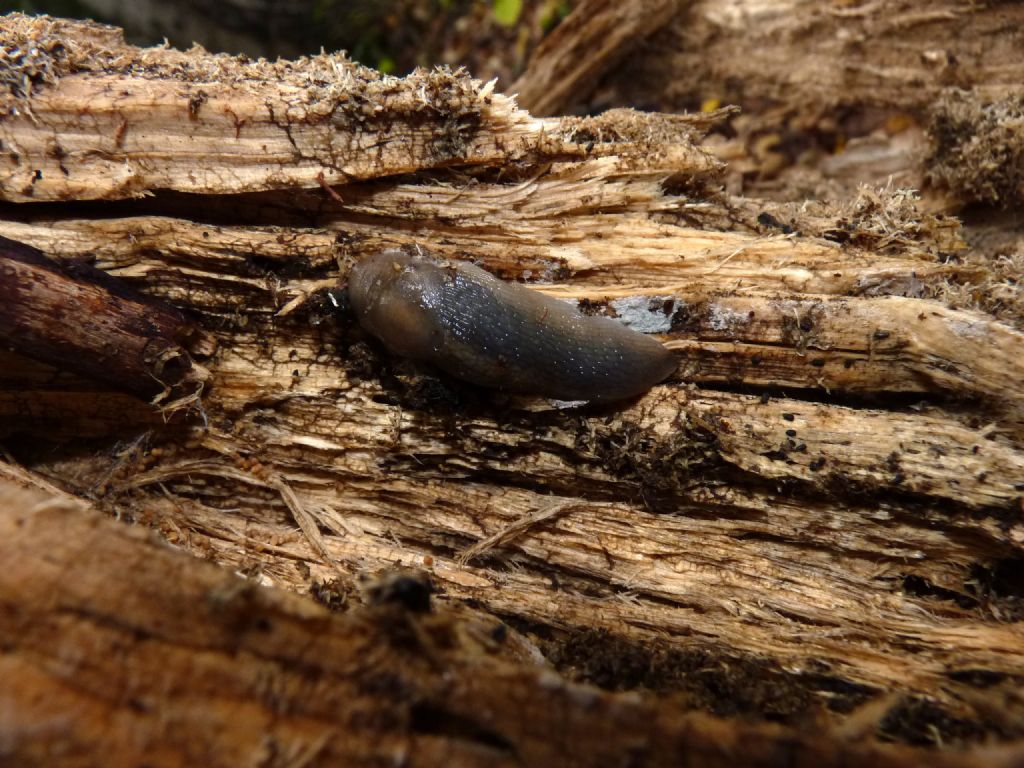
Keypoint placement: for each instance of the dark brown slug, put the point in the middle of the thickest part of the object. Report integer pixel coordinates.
(476, 327)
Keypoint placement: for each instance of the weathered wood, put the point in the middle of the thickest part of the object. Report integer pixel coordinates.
(867, 556)
(121, 650)
(80, 320)
(709, 280)
(809, 57)
(594, 38)
(836, 95)
(223, 124)
(662, 517)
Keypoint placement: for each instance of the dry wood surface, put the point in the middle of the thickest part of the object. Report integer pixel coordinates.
(827, 495)
(841, 93)
(212, 669)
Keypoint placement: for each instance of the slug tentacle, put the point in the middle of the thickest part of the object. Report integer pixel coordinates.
(476, 327)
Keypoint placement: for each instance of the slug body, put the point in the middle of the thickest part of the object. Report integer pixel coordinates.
(476, 327)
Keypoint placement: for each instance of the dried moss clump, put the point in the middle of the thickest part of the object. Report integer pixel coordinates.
(978, 148)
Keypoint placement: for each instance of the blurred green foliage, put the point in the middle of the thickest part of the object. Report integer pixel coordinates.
(553, 12)
(506, 12)
(394, 36)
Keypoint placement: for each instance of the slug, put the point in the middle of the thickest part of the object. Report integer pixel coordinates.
(502, 335)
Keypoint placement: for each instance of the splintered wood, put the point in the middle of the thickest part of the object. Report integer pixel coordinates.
(841, 93)
(830, 486)
(213, 670)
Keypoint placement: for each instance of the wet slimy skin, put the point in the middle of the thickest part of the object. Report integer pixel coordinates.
(476, 327)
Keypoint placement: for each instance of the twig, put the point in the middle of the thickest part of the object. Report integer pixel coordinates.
(306, 522)
(514, 529)
(725, 261)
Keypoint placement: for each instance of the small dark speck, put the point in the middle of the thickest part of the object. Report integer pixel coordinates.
(982, 476)
(816, 464)
(790, 433)
(788, 416)
(818, 362)
(410, 591)
(137, 705)
(499, 633)
(766, 219)
(879, 335)
(765, 397)
(755, 360)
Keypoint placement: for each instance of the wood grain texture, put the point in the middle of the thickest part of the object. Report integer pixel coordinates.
(915, 94)
(79, 319)
(900, 54)
(593, 39)
(122, 649)
(828, 494)
(225, 124)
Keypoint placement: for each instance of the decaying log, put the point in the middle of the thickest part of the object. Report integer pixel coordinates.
(901, 54)
(595, 37)
(826, 495)
(706, 287)
(257, 125)
(913, 94)
(210, 668)
(838, 94)
(81, 320)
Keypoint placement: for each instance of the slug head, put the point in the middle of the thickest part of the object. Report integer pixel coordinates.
(393, 296)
